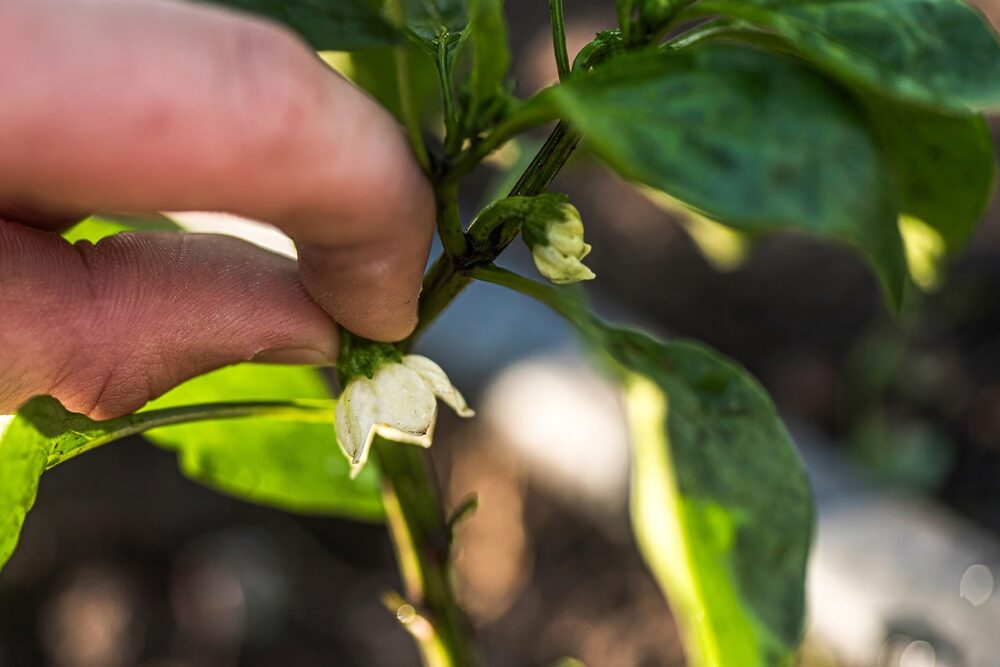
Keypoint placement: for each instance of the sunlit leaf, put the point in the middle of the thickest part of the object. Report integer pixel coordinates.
(44, 434)
(291, 465)
(721, 503)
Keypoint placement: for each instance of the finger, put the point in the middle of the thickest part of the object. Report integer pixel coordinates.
(104, 328)
(40, 218)
(147, 105)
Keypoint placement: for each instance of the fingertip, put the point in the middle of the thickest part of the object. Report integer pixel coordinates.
(372, 291)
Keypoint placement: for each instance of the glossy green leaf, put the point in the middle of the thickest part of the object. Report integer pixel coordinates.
(291, 465)
(44, 434)
(944, 164)
(941, 53)
(328, 25)
(721, 502)
(490, 52)
(751, 139)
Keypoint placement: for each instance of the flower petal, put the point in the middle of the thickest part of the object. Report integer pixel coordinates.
(405, 402)
(437, 380)
(355, 422)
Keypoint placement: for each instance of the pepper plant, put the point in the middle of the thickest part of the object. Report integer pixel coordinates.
(840, 118)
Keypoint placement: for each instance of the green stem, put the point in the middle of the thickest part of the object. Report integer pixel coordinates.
(417, 524)
(531, 113)
(319, 411)
(422, 541)
(449, 276)
(449, 222)
(559, 38)
(541, 292)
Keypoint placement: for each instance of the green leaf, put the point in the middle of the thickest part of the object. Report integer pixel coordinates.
(24, 449)
(430, 18)
(291, 465)
(328, 25)
(44, 434)
(490, 52)
(98, 227)
(751, 139)
(375, 72)
(945, 166)
(721, 503)
(941, 53)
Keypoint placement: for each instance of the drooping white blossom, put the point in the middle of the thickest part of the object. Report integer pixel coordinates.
(399, 403)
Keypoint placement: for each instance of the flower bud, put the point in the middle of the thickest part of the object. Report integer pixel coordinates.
(399, 403)
(554, 232)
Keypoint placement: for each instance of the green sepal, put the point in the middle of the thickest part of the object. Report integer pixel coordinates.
(360, 357)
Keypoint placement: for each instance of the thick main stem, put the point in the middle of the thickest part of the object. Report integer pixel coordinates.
(420, 532)
(422, 540)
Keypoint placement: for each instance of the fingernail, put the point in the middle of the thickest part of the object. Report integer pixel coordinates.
(299, 357)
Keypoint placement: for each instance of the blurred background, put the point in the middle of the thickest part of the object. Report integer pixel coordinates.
(124, 563)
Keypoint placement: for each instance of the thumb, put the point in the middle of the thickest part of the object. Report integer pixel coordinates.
(105, 328)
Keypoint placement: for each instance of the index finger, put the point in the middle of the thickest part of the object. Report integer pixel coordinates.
(148, 105)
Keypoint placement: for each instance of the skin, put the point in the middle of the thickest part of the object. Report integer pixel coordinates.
(152, 105)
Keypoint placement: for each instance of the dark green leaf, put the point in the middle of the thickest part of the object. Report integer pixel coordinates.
(291, 465)
(945, 166)
(655, 13)
(431, 18)
(721, 503)
(44, 434)
(490, 52)
(941, 53)
(375, 72)
(328, 25)
(748, 138)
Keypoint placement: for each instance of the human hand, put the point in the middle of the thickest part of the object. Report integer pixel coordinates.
(151, 105)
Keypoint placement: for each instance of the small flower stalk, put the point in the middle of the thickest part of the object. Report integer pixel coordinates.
(554, 232)
(398, 402)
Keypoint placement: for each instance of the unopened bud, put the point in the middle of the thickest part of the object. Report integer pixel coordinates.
(554, 232)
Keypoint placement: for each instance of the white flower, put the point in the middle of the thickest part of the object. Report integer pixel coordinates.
(398, 403)
(558, 247)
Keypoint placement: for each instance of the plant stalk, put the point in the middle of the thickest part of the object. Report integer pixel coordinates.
(449, 275)
(422, 540)
(417, 523)
(559, 38)
(419, 529)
